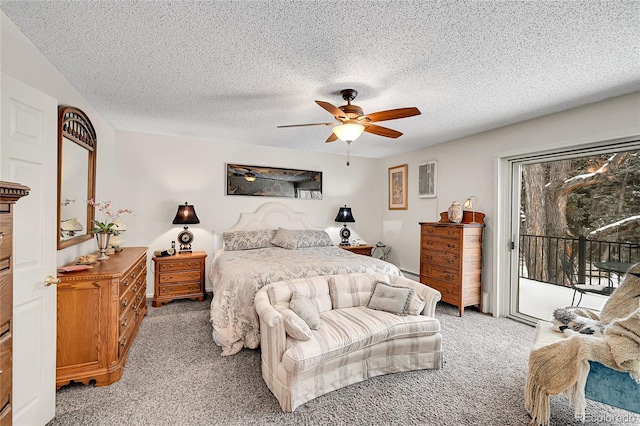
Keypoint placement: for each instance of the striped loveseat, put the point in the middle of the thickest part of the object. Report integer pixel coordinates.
(353, 342)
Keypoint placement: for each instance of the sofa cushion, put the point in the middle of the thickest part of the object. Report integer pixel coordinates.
(295, 326)
(349, 290)
(390, 299)
(347, 330)
(314, 288)
(306, 310)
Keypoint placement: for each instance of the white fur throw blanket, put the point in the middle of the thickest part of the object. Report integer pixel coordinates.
(562, 367)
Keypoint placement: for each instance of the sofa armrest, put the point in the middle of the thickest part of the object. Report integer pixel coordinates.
(431, 295)
(273, 340)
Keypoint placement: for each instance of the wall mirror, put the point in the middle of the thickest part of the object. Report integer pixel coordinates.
(76, 176)
(273, 182)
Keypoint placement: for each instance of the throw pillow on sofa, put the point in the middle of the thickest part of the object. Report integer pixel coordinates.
(306, 310)
(416, 304)
(295, 326)
(390, 299)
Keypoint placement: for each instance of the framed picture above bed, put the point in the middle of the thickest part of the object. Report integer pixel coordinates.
(273, 182)
(398, 187)
(427, 179)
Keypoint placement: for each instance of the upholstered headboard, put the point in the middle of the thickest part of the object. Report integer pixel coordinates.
(271, 215)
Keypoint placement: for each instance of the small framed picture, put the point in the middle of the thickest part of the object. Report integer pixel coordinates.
(398, 187)
(427, 179)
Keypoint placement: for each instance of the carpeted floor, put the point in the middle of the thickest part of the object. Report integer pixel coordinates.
(176, 376)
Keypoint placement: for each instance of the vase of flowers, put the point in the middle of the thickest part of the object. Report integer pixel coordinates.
(103, 229)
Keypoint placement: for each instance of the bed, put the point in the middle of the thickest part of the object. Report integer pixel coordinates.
(249, 260)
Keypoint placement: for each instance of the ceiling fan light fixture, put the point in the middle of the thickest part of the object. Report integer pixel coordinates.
(249, 177)
(348, 132)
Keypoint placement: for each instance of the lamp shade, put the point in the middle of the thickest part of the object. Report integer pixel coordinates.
(186, 215)
(344, 215)
(348, 132)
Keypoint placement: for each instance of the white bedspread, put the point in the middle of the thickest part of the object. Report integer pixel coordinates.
(237, 275)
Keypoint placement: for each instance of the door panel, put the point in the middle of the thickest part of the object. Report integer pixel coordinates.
(29, 157)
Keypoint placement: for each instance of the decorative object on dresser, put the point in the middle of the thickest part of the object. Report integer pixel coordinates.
(398, 198)
(363, 250)
(9, 194)
(454, 214)
(186, 215)
(99, 312)
(344, 215)
(451, 259)
(179, 277)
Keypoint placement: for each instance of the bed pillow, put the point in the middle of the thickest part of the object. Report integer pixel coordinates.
(294, 326)
(390, 299)
(248, 240)
(306, 310)
(301, 238)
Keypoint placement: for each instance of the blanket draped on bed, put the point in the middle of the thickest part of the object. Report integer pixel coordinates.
(563, 367)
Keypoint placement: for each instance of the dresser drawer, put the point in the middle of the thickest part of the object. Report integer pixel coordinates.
(180, 265)
(442, 258)
(6, 235)
(5, 366)
(450, 292)
(132, 275)
(173, 289)
(177, 277)
(440, 232)
(441, 244)
(127, 320)
(6, 303)
(437, 272)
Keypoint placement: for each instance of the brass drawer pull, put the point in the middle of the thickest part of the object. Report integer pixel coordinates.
(450, 232)
(124, 342)
(133, 274)
(125, 302)
(1, 237)
(125, 283)
(451, 245)
(429, 243)
(125, 322)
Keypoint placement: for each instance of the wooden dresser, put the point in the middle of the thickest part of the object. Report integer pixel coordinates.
(179, 277)
(451, 259)
(99, 312)
(9, 194)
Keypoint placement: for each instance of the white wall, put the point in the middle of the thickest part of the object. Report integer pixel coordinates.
(21, 60)
(156, 173)
(468, 167)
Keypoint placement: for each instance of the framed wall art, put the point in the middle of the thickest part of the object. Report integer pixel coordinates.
(273, 182)
(398, 187)
(427, 179)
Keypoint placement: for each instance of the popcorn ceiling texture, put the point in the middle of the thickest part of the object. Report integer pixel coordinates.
(234, 70)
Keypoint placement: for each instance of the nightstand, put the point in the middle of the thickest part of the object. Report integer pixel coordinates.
(363, 250)
(179, 277)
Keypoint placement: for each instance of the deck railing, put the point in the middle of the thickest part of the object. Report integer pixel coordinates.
(566, 261)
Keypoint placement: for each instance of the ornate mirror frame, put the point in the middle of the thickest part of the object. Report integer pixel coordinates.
(76, 176)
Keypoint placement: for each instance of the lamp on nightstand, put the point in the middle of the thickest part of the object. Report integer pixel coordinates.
(186, 215)
(345, 216)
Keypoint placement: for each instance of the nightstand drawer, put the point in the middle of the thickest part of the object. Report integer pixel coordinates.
(171, 289)
(177, 277)
(183, 265)
(440, 232)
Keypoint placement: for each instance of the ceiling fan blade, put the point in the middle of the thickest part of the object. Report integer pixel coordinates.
(334, 110)
(311, 124)
(332, 138)
(381, 131)
(391, 114)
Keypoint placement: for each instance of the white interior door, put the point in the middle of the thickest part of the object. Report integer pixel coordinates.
(29, 157)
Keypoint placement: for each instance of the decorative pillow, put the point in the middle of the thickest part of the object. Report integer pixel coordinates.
(391, 299)
(301, 238)
(306, 310)
(416, 304)
(295, 326)
(248, 240)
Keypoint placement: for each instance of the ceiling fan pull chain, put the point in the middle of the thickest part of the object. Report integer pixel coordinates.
(348, 153)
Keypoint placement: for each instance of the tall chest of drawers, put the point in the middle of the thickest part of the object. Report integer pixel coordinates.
(9, 194)
(99, 312)
(451, 261)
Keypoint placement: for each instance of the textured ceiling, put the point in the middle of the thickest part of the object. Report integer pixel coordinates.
(234, 70)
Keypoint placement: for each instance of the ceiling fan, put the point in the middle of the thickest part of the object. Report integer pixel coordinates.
(352, 121)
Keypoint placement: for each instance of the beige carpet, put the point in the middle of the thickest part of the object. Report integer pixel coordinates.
(176, 376)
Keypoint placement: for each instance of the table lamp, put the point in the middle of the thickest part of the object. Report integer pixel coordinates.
(471, 204)
(186, 215)
(344, 215)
